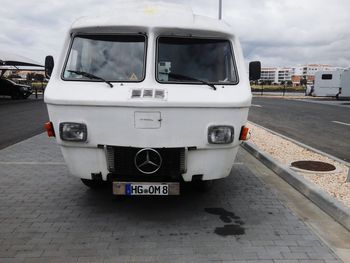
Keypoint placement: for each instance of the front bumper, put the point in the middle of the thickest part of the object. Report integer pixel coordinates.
(210, 164)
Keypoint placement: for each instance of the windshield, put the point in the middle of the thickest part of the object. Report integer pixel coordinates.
(209, 60)
(109, 57)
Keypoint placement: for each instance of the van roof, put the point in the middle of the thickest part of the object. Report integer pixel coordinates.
(153, 15)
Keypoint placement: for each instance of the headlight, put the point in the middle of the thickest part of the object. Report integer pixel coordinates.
(220, 134)
(71, 131)
(24, 88)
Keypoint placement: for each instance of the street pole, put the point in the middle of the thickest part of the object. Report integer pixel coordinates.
(220, 9)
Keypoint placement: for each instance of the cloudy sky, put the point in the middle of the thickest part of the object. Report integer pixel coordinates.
(277, 32)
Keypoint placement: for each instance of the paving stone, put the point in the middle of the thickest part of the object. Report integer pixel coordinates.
(286, 261)
(90, 260)
(311, 261)
(47, 215)
(295, 255)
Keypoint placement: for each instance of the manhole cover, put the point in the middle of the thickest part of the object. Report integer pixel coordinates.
(314, 166)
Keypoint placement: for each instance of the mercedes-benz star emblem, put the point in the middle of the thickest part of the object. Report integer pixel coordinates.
(148, 161)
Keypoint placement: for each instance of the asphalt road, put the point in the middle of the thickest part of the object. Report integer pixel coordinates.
(322, 126)
(20, 120)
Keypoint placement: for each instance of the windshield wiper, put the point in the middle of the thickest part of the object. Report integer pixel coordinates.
(180, 76)
(90, 76)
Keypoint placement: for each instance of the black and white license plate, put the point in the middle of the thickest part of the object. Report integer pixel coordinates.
(136, 188)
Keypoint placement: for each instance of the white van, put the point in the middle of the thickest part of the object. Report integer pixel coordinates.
(149, 97)
(327, 83)
(345, 85)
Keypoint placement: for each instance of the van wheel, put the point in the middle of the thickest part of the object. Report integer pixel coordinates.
(93, 184)
(203, 186)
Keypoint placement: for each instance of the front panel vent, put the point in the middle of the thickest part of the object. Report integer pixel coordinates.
(158, 94)
(148, 93)
(136, 93)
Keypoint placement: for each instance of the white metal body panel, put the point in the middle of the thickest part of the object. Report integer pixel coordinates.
(327, 87)
(345, 84)
(186, 112)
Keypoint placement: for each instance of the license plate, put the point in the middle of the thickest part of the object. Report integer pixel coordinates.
(136, 188)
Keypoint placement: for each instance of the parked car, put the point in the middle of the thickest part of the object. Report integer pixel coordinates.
(16, 91)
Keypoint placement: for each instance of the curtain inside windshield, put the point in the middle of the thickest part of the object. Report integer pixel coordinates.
(111, 57)
(191, 59)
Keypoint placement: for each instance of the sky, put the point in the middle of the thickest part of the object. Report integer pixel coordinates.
(276, 32)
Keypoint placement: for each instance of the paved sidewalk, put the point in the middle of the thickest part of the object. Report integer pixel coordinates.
(47, 215)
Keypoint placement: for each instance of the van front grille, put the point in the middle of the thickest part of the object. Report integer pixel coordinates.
(121, 161)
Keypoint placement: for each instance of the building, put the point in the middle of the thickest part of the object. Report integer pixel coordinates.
(268, 75)
(284, 75)
(281, 75)
(275, 75)
(308, 72)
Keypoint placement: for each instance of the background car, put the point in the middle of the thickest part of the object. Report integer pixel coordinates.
(16, 91)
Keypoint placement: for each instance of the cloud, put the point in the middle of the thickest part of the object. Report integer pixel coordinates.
(293, 32)
(279, 33)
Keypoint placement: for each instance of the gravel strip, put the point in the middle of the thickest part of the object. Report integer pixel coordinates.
(286, 152)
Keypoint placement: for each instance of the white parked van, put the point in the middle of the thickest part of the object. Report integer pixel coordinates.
(327, 83)
(345, 85)
(149, 97)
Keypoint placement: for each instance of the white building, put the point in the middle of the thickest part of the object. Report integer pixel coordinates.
(269, 75)
(284, 75)
(276, 75)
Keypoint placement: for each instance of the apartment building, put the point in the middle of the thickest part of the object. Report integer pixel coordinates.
(279, 75)
(269, 75)
(276, 75)
(284, 75)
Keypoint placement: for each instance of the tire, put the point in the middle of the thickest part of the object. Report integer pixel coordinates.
(93, 184)
(203, 186)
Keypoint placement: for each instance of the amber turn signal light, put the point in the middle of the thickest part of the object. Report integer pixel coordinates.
(49, 129)
(245, 134)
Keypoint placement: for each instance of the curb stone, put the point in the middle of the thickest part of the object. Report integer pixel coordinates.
(328, 204)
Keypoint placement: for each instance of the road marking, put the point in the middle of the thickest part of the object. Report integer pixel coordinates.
(256, 105)
(343, 123)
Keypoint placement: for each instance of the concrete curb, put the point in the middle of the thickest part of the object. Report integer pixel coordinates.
(331, 206)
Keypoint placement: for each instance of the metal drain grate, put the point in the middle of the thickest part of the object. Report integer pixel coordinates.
(314, 166)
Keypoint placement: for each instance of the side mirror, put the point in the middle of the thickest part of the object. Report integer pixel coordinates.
(254, 70)
(49, 64)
